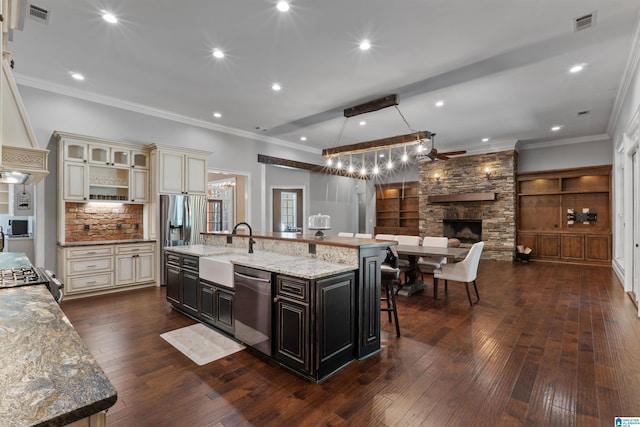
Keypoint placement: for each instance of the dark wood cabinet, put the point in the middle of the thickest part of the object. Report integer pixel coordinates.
(216, 306)
(397, 208)
(369, 290)
(315, 324)
(181, 272)
(551, 214)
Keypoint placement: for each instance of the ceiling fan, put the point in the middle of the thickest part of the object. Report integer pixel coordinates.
(433, 154)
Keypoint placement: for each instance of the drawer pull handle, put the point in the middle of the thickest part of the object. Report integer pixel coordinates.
(292, 289)
(91, 266)
(91, 282)
(91, 253)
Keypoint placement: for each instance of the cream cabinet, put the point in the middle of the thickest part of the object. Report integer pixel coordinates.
(101, 170)
(135, 263)
(105, 268)
(180, 172)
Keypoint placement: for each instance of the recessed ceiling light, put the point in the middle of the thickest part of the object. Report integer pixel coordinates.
(381, 155)
(217, 115)
(577, 68)
(439, 103)
(556, 128)
(485, 139)
(303, 138)
(276, 87)
(77, 76)
(110, 18)
(365, 44)
(363, 123)
(283, 6)
(218, 53)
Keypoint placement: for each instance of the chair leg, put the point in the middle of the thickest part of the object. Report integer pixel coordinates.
(435, 288)
(388, 290)
(395, 312)
(466, 286)
(476, 288)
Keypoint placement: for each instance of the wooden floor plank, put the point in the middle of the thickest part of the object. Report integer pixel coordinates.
(548, 344)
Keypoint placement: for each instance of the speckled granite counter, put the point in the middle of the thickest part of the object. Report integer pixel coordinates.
(296, 266)
(47, 375)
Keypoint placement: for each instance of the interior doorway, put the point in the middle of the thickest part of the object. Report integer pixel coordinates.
(227, 200)
(287, 210)
(635, 191)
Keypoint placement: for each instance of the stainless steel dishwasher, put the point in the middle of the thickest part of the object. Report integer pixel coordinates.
(252, 306)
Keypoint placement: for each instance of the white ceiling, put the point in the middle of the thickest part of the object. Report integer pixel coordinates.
(501, 66)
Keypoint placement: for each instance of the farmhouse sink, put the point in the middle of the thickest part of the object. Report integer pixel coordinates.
(217, 269)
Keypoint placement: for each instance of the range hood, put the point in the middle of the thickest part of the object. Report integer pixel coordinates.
(22, 161)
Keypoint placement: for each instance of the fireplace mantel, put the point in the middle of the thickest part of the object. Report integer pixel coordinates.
(461, 197)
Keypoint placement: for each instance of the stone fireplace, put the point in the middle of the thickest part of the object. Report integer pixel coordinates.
(472, 201)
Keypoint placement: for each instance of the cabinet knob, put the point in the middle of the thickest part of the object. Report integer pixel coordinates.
(275, 299)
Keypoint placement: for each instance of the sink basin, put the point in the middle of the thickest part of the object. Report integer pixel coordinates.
(217, 269)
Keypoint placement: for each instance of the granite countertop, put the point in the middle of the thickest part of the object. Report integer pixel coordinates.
(14, 259)
(47, 375)
(297, 266)
(104, 242)
(348, 242)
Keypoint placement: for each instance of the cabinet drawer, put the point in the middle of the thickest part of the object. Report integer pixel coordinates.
(94, 251)
(85, 266)
(88, 283)
(292, 288)
(134, 249)
(190, 263)
(173, 259)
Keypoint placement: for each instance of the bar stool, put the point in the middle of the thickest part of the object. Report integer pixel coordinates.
(389, 276)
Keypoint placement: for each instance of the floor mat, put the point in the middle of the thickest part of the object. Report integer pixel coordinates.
(201, 344)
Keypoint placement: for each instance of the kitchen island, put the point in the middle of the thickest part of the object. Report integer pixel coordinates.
(48, 377)
(326, 294)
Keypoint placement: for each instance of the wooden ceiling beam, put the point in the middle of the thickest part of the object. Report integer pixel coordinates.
(375, 105)
(376, 144)
(294, 164)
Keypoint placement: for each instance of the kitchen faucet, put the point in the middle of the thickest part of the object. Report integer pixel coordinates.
(251, 241)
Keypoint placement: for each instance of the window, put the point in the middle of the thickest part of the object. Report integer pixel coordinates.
(288, 210)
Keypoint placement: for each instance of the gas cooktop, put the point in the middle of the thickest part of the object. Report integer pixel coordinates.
(20, 276)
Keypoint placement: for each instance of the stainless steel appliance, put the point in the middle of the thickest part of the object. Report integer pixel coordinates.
(252, 307)
(182, 219)
(24, 274)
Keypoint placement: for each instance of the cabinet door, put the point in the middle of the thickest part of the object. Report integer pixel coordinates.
(139, 159)
(224, 310)
(125, 269)
(173, 284)
(139, 186)
(120, 157)
(75, 182)
(206, 302)
(369, 301)
(597, 248)
(336, 322)
(195, 175)
(99, 154)
(171, 173)
(572, 247)
(549, 245)
(75, 152)
(145, 271)
(292, 335)
(190, 290)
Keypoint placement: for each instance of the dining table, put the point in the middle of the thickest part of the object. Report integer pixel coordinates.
(414, 253)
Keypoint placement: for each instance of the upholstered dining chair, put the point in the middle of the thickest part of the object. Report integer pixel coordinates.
(403, 260)
(363, 236)
(464, 271)
(344, 234)
(385, 237)
(427, 264)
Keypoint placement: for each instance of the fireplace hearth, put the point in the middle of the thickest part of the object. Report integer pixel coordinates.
(465, 230)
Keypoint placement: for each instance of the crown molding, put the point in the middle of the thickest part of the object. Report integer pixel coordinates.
(558, 142)
(143, 109)
(630, 71)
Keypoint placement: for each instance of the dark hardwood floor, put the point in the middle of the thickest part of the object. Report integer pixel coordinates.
(547, 345)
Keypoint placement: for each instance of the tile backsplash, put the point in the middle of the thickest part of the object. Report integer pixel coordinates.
(87, 222)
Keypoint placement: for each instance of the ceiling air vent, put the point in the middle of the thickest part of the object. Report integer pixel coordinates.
(39, 14)
(584, 22)
(584, 113)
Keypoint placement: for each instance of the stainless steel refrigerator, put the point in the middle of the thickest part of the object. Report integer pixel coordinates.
(182, 219)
